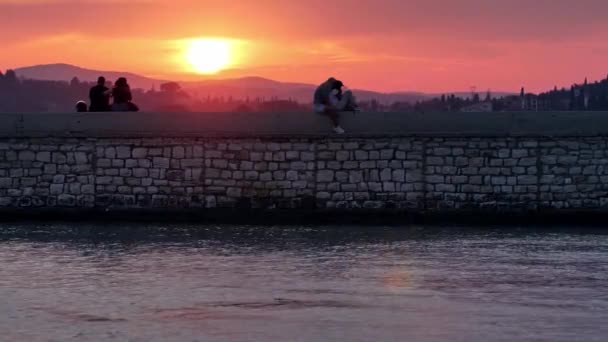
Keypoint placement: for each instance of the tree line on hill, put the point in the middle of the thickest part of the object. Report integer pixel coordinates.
(25, 95)
(579, 97)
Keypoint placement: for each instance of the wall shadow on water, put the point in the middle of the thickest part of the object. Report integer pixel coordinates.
(276, 237)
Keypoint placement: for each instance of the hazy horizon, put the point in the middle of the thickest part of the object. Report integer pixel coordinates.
(157, 81)
(429, 46)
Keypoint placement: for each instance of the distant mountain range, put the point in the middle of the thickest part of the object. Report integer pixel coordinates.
(66, 72)
(236, 88)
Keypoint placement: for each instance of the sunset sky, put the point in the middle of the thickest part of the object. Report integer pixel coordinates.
(385, 45)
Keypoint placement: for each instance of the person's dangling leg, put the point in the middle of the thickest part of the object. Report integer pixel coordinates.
(334, 116)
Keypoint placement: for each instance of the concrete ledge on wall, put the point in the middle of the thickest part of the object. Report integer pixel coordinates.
(302, 124)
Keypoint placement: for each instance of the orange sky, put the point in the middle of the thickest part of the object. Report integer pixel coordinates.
(386, 45)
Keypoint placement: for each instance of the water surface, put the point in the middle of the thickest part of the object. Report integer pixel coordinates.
(84, 282)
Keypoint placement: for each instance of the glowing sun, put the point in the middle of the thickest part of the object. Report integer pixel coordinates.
(208, 56)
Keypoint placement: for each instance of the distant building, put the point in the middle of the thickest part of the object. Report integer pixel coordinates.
(481, 107)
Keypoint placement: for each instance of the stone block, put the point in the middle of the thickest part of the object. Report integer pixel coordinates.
(252, 175)
(442, 151)
(178, 152)
(59, 179)
(118, 181)
(399, 176)
(56, 189)
(350, 165)
(435, 179)
(326, 155)
(435, 161)
(88, 189)
(292, 155)
(476, 162)
(126, 172)
(375, 187)
(161, 162)
(234, 192)
(401, 155)
(120, 163)
(66, 200)
(307, 156)
(445, 188)
(292, 175)
(123, 152)
(266, 176)
(325, 176)
(504, 153)
(235, 147)
(530, 161)
(16, 173)
(140, 152)
(6, 183)
(59, 158)
(28, 181)
(526, 180)
(105, 180)
(351, 145)
(360, 155)
(389, 187)
(323, 195)
(590, 170)
(279, 157)
(104, 163)
(355, 177)
(567, 160)
(272, 147)
(81, 158)
(461, 161)
(457, 151)
(499, 180)
(343, 155)
(44, 157)
(387, 154)
(278, 175)
(27, 156)
(256, 156)
(341, 176)
(110, 152)
(386, 175)
(348, 187)
(140, 172)
(519, 153)
(74, 188)
(496, 162)
(298, 166)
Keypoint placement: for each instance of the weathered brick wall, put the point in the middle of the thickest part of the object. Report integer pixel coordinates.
(409, 173)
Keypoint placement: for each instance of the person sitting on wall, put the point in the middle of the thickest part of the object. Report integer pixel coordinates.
(81, 107)
(123, 97)
(100, 96)
(330, 100)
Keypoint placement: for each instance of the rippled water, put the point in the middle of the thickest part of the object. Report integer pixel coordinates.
(207, 283)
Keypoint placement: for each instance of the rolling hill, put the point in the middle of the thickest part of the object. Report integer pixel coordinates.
(236, 88)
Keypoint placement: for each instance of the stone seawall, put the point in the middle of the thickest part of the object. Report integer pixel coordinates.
(408, 173)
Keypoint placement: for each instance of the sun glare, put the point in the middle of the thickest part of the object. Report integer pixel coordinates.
(208, 56)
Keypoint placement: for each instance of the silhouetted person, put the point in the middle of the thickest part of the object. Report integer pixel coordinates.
(330, 100)
(122, 97)
(100, 96)
(81, 107)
